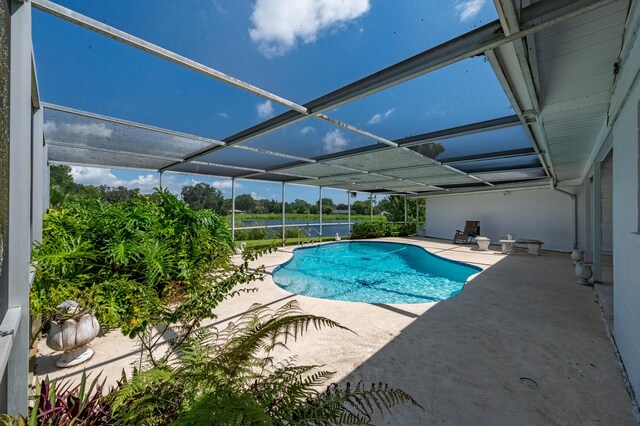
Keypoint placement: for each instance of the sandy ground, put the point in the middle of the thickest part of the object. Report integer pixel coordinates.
(521, 344)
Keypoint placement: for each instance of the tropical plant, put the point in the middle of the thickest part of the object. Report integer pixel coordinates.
(231, 377)
(137, 264)
(62, 404)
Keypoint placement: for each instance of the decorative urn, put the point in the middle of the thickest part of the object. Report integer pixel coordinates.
(583, 272)
(577, 256)
(70, 332)
(483, 243)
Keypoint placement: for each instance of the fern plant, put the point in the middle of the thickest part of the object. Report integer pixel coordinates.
(229, 377)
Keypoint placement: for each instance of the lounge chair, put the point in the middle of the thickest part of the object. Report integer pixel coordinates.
(471, 229)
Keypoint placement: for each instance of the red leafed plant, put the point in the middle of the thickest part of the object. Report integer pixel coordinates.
(62, 404)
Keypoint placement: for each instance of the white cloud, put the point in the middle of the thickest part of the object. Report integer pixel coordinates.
(222, 114)
(279, 24)
(145, 183)
(468, 9)
(224, 184)
(334, 141)
(307, 130)
(93, 176)
(375, 119)
(265, 109)
(97, 176)
(379, 117)
(255, 196)
(84, 132)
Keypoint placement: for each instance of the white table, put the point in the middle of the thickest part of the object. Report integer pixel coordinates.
(508, 246)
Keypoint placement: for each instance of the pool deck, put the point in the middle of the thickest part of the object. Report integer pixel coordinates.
(466, 359)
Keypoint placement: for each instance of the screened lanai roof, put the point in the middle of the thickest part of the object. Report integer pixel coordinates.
(493, 137)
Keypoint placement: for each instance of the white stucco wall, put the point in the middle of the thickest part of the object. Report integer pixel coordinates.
(541, 214)
(626, 239)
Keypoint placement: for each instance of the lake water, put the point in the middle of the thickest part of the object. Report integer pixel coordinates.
(329, 227)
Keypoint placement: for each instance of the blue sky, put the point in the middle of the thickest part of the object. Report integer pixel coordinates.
(296, 49)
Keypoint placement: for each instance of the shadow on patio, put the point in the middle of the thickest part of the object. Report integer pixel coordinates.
(521, 344)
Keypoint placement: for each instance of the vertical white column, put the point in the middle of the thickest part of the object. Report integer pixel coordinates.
(283, 215)
(417, 214)
(425, 216)
(349, 212)
(39, 164)
(596, 223)
(160, 183)
(233, 209)
(46, 179)
(19, 247)
(370, 207)
(320, 211)
(405, 210)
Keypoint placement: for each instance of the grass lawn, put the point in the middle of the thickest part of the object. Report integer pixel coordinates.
(278, 242)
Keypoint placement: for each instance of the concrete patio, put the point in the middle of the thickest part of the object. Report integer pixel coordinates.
(521, 344)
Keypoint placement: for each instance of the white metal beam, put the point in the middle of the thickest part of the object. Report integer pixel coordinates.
(536, 17)
(121, 36)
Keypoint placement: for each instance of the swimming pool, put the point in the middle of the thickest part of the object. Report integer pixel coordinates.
(372, 272)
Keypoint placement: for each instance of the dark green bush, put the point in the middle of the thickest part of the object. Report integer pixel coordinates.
(381, 229)
(130, 262)
(370, 230)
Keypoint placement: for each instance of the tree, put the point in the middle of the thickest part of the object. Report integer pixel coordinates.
(117, 195)
(431, 150)
(298, 206)
(342, 206)
(203, 196)
(361, 207)
(62, 188)
(327, 205)
(246, 203)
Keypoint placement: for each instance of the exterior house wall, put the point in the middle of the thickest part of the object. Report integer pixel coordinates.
(626, 239)
(541, 214)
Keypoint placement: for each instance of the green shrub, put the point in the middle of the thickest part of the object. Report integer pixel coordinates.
(251, 234)
(370, 230)
(382, 229)
(137, 264)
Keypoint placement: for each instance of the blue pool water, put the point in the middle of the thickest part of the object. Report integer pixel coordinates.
(372, 272)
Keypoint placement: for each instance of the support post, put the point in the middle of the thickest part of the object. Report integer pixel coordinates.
(233, 209)
(405, 210)
(417, 215)
(160, 183)
(283, 216)
(425, 216)
(39, 164)
(596, 223)
(370, 207)
(46, 179)
(349, 213)
(320, 211)
(19, 227)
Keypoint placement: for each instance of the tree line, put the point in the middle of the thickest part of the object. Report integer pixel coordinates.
(203, 196)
